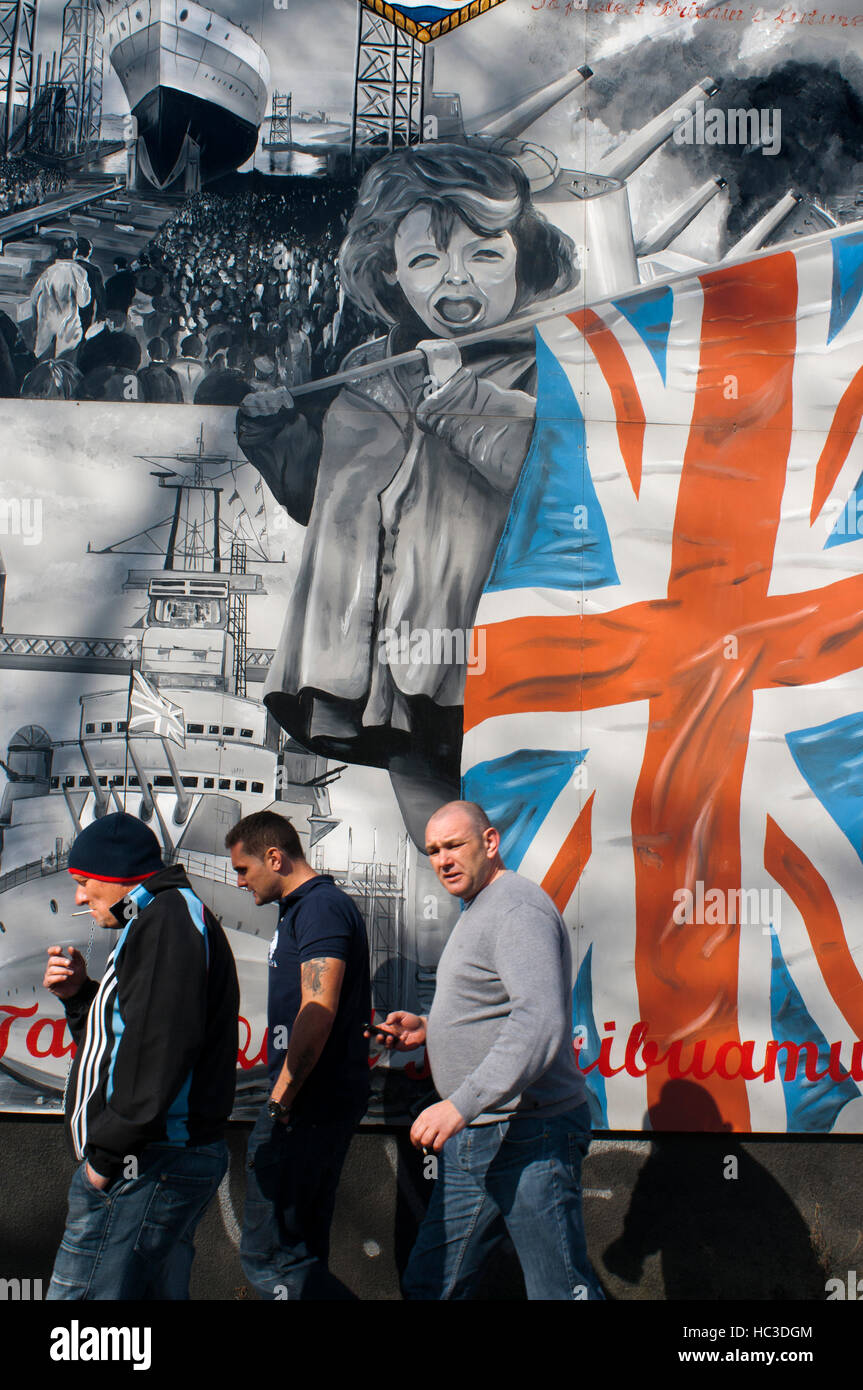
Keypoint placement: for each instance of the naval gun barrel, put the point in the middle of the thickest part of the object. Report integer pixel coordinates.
(505, 124)
(757, 235)
(637, 147)
(664, 233)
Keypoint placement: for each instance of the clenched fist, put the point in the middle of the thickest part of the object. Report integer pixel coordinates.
(265, 403)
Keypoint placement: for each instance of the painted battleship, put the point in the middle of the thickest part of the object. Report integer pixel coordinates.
(195, 82)
(592, 205)
(206, 755)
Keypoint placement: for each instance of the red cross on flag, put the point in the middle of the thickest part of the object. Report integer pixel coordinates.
(151, 713)
(669, 725)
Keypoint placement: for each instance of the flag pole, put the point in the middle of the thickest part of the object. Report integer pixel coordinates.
(551, 309)
(569, 303)
(128, 722)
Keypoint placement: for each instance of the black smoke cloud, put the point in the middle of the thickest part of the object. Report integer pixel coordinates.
(821, 105)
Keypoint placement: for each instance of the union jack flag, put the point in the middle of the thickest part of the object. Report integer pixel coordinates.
(672, 700)
(151, 713)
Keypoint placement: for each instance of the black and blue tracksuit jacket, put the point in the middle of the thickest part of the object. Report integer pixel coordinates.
(157, 1037)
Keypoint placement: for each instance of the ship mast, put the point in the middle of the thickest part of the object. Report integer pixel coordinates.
(237, 617)
(194, 538)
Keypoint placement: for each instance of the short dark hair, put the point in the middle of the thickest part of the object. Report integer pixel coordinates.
(238, 358)
(265, 830)
(486, 190)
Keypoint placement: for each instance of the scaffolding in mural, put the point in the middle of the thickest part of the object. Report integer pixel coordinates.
(18, 19)
(64, 105)
(378, 889)
(238, 625)
(81, 58)
(280, 123)
(388, 85)
(45, 130)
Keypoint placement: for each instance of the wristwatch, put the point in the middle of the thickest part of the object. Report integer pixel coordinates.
(276, 1110)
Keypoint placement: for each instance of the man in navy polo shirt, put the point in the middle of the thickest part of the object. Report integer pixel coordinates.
(318, 1003)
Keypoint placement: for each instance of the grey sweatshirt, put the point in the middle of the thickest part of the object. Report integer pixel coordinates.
(500, 1031)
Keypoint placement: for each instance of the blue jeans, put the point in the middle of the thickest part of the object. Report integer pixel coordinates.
(291, 1181)
(135, 1241)
(522, 1176)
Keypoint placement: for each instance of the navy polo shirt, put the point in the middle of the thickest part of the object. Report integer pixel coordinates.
(316, 920)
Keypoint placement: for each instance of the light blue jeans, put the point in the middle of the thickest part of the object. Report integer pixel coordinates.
(135, 1241)
(521, 1176)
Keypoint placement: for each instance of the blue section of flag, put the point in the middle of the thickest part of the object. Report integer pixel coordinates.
(582, 1017)
(555, 536)
(518, 791)
(830, 757)
(650, 315)
(847, 280)
(427, 14)
(809, 1105)
(849, 526)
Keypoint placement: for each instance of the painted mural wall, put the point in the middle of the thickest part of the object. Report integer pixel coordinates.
(402, 400)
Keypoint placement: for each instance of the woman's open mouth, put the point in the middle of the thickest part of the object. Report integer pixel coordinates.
(461, 309)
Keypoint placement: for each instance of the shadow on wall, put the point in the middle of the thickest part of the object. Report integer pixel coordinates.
(723, 1227)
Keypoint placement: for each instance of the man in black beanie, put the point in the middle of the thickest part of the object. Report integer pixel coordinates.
(152, 1083)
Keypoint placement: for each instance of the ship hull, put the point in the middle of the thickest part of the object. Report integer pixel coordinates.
(164, 119)
(184, 69)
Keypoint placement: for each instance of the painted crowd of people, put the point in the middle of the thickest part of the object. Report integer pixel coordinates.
(25, 184)
(232, 295)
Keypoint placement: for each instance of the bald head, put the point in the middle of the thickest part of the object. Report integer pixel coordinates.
(464, 848)
(472, 809)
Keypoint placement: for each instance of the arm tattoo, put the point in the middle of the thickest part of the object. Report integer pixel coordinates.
(312, 975)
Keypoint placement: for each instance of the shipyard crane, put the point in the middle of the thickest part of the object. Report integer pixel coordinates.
(63, 109)
(18, 20)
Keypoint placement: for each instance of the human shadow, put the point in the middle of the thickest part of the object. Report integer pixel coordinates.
(722, 1224)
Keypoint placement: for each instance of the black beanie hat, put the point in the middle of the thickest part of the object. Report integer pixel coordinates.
(116, 849)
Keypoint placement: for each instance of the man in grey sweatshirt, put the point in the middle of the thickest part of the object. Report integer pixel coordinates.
(514, 1125)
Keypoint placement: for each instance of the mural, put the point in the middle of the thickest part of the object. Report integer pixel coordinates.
(442, 241)
(508, 377)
